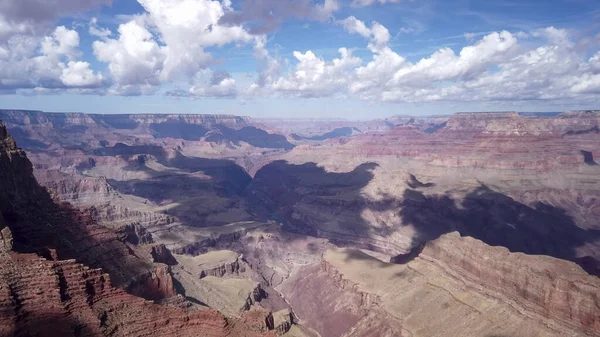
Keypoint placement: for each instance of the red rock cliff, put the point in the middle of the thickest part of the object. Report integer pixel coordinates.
(41, 295)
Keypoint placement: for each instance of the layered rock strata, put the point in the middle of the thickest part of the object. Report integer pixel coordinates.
(46, 291)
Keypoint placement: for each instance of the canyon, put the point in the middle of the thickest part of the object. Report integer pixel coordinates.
(472, 224)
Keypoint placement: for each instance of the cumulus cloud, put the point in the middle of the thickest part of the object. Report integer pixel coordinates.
(95, 30)
(78, 74)
(315, 77)
(217, 84)
(378, 35)
(221, 84)
(594, 62)
(62, 42)
(269, 67)
(27, 62)
(495, 67)
(167, 42)
(264, 16)
(38, 57)
(135, 58)
(445, 65)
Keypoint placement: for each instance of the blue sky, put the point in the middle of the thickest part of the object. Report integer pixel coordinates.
(282, 58)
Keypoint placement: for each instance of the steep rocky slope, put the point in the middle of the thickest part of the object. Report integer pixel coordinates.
(46, 291)
(455, 287)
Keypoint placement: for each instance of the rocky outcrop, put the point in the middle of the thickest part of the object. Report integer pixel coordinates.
(227, 268)
(63, 298)
(511, 123)
(232, 296)
(215, 263)
(333, 299)
(160, 254)
(118, 216)
(136, 234)
(6, 240)
(38, 223)
(283, 321)
(44, 291)
(336, 133)
(154, 285)
(471, 291)
(555, 289)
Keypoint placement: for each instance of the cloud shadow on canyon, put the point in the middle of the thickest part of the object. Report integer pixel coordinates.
(306, 199)
(498, 220)
(279, 187)
(200, 192)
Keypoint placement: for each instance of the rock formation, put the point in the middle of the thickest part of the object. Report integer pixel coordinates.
(46, 291)
(452, 287)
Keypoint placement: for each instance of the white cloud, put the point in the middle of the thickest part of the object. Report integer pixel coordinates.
(95, 30)
(269, 67)
(377, 73)
(167, 42)
(324, 11)
(62, 42)
(37, 57)
(79, 74)
(377, 34)
(445, 65)
(313, 77)
(36, 17)
(220, 85)
(171, 41)
(494, 68)
(554, 36)
(215, 84)
(355, 26)
(406, 30)
(589, 84)
(132, 89)
(49, 62)
(135, 58)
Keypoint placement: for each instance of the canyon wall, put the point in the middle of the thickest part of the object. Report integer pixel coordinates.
(46, 291)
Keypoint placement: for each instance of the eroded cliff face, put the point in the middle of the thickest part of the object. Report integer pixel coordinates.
(484, 141)
(39, 224)
(555, 289)
(118, 121)
(456, 286)
(64, 298)
(44, 291)
(37, 130)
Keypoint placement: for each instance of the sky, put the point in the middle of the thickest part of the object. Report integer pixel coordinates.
(354, 59)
